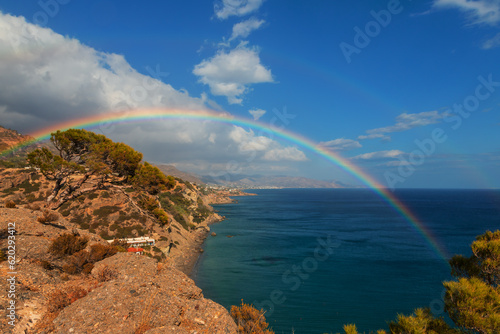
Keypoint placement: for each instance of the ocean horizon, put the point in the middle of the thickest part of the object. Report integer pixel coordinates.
(316, 259)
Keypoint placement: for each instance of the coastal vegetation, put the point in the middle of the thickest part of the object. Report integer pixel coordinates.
(472, 300)
(250, 320)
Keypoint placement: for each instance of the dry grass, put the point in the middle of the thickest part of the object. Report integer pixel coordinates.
(10, 204)
(67, 244)
(57, 301)
(33, 206)
(47, 217)
(105, 273)
(145, 323)
(249, 319)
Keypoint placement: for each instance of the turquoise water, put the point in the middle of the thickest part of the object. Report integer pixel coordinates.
(318, 259)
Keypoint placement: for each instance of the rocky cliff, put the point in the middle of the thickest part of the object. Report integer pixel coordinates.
(124, 293)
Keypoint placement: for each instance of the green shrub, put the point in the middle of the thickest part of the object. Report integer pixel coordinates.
(30, 187)
(104, 211)
(150, 178)
(93, 196)
(31, 198)
(148, 203)
(64, 209)
(105, 235)
(161, 215)
(84, 226)
(189, 185)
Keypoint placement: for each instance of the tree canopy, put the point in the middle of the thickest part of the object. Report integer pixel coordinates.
(84, 162)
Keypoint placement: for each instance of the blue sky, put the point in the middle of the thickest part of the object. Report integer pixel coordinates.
(366, 79)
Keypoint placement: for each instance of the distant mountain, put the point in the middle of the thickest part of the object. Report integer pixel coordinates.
(261, 181)
(24, 144)
(172, 170)
(10, 138)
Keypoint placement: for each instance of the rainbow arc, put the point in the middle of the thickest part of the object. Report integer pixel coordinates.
(143, 115)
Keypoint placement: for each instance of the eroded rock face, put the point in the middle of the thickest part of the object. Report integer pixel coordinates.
(143, 295)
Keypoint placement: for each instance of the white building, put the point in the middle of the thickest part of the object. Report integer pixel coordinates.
(137, 242)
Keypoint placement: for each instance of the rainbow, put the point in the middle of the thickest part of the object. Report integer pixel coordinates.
(207, 115)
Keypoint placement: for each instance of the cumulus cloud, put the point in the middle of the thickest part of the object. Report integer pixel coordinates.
(341, 144)
(492, 43)
(264, 148)
(47, 78)
(405, 122)
(227, 8)
(229, 73)
(248, 142)
(379, 155)
(478, 11)
(257, 113)
(285, 153)
(245, 28)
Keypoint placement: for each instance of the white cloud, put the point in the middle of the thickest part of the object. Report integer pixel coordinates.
(243, 29)
(478, 11)
(248, 142)
(227, 8)
(397, 163)
(341, 144)
(257, 113)
(405, 122)
(229, 74)
(286, 153)
(51, 77)
(374, 136)
(264, 148)
(47, 78)
(492, 43)
(379, 155)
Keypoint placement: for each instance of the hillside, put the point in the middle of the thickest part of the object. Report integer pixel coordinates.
(11, 138)
(97, 191)
(122, 293)
(172, 170)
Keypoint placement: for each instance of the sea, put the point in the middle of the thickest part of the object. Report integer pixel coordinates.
(316, 259)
